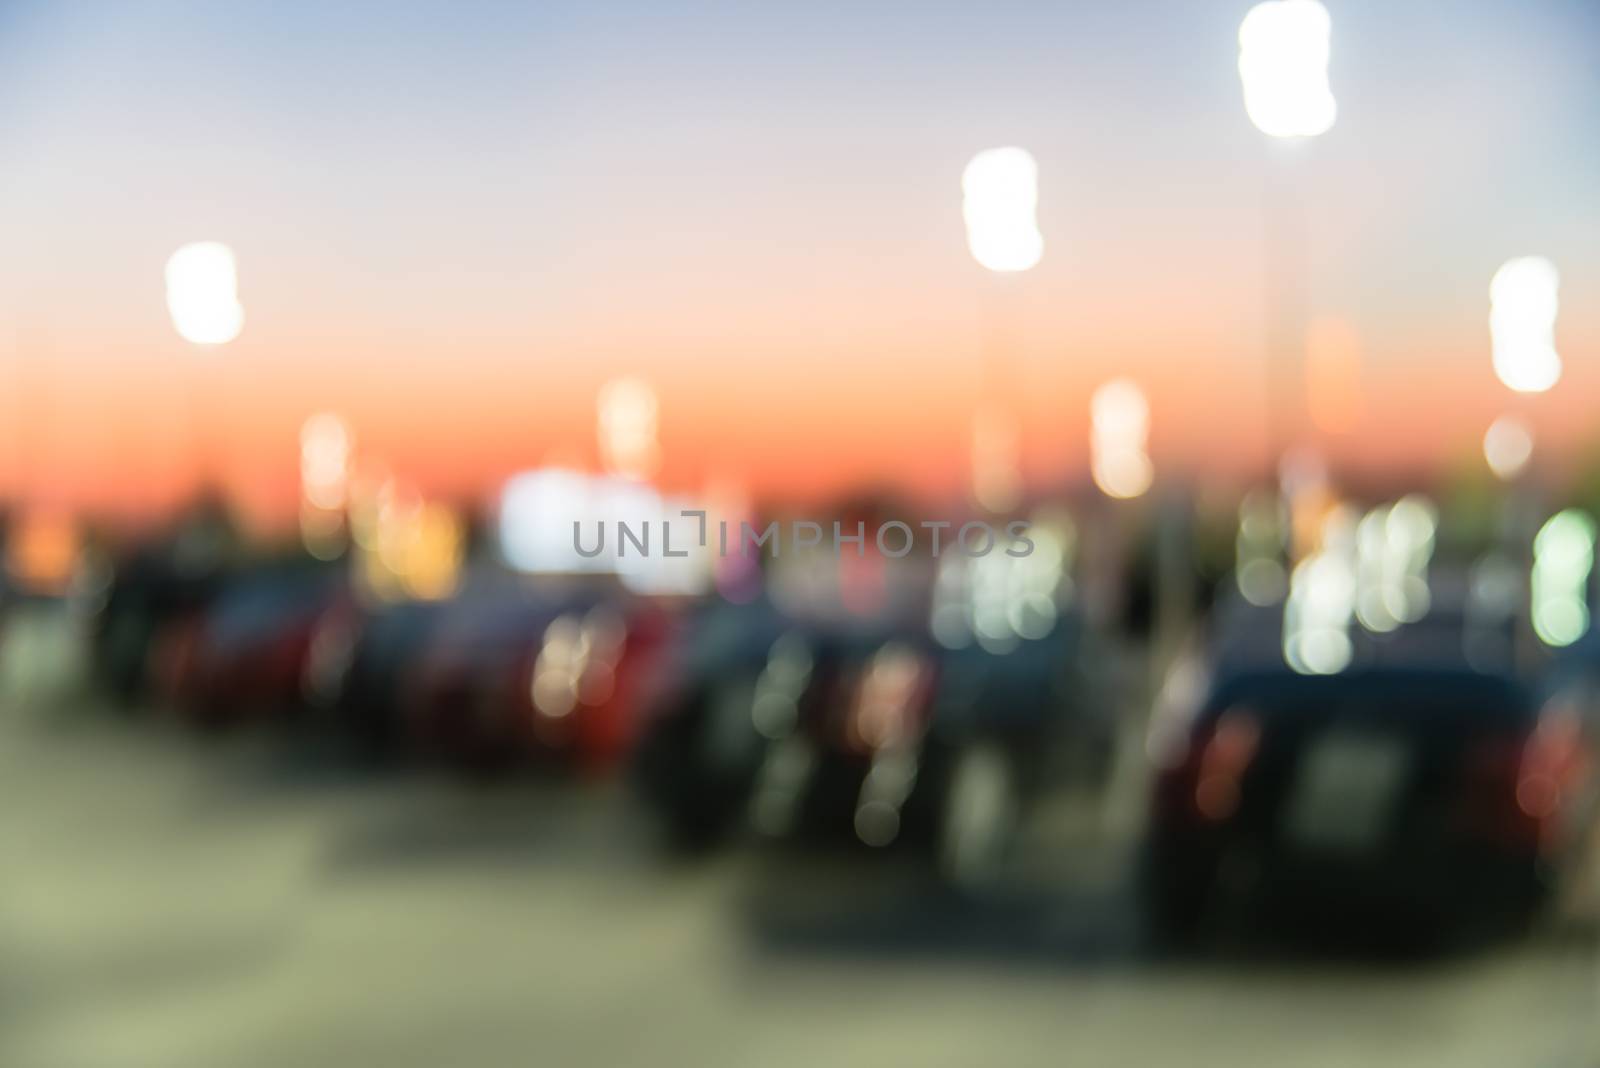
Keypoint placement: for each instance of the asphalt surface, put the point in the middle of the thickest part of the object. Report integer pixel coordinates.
(174, 900)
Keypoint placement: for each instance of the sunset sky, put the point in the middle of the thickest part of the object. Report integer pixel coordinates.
(455, 222)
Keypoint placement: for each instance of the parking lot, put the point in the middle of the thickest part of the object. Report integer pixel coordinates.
(252, 899)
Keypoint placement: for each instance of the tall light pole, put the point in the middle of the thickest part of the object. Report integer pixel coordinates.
(1523, 302)
(1284, 49)
(203, 300)
(999, 205)
(1283, 70)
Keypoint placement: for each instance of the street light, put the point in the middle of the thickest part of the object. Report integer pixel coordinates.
(1119, 418)
(1522, 323)
(1283, 63)
(326, 446)
(203, 300)
(1283, 69)
(1563, 557)
(628, 414)
(203, 293)
(1507, 447)
(999, 201)
(1000, 194)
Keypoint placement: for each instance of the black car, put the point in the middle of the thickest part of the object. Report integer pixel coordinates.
(1436, 793)
(246, 652)
(153, 586)
(795, 725)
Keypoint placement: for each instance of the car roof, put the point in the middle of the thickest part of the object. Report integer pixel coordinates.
(1377, 683)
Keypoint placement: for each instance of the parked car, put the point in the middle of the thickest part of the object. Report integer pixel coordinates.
(792, 725)
(505, 672)
(358, 667)
(245, 652)
(153, 586)
(1429, 792)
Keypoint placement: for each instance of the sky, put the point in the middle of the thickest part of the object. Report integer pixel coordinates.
(454, 223)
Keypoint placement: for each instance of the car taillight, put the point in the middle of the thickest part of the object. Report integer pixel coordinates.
(1223, 761)
(890, 698)
(1207, 781)
(1553, 767)
(1516, 788)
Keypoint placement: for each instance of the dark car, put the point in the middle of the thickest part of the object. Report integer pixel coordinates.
(359, 665)
(793, 725)
(575, 694)
(533, 672)
(154, 587)
(246, 652)
(453, 704)
(502, 673)
(1434, 793)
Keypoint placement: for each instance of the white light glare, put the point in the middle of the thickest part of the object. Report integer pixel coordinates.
(1522, 324)
(538, 510)
(1119, 426)
(203, 293)
(1283, 63)
(1563, 557)
(1258, 551)
(325, 445)
(1002, 600)
(1322, 600)
(1394, 544)
(1000, 194)
(1507, 447)
(628, 413)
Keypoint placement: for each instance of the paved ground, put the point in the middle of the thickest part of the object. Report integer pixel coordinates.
(175, 901)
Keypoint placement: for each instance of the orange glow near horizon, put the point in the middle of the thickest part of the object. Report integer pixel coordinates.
(134, 436)
(782, 256)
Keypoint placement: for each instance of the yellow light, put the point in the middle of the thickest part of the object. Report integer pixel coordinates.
(1322, 601)
(628, 412)
(1123, 473)
(1507, 447)
(1119, 426)
(434, 553)
(325, 445)
(42, 551)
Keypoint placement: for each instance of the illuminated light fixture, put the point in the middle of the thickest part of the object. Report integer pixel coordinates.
(1000, 195)
(1563, 557)
(434, 553)
(325, 445)
(628, 413)
(1394, 545)
(203, 293)
(1522, 324)
(1119, 426)
(560, 521)
(1507, 447)
(1322, 601)
(1283, 64)
(1258, 551)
